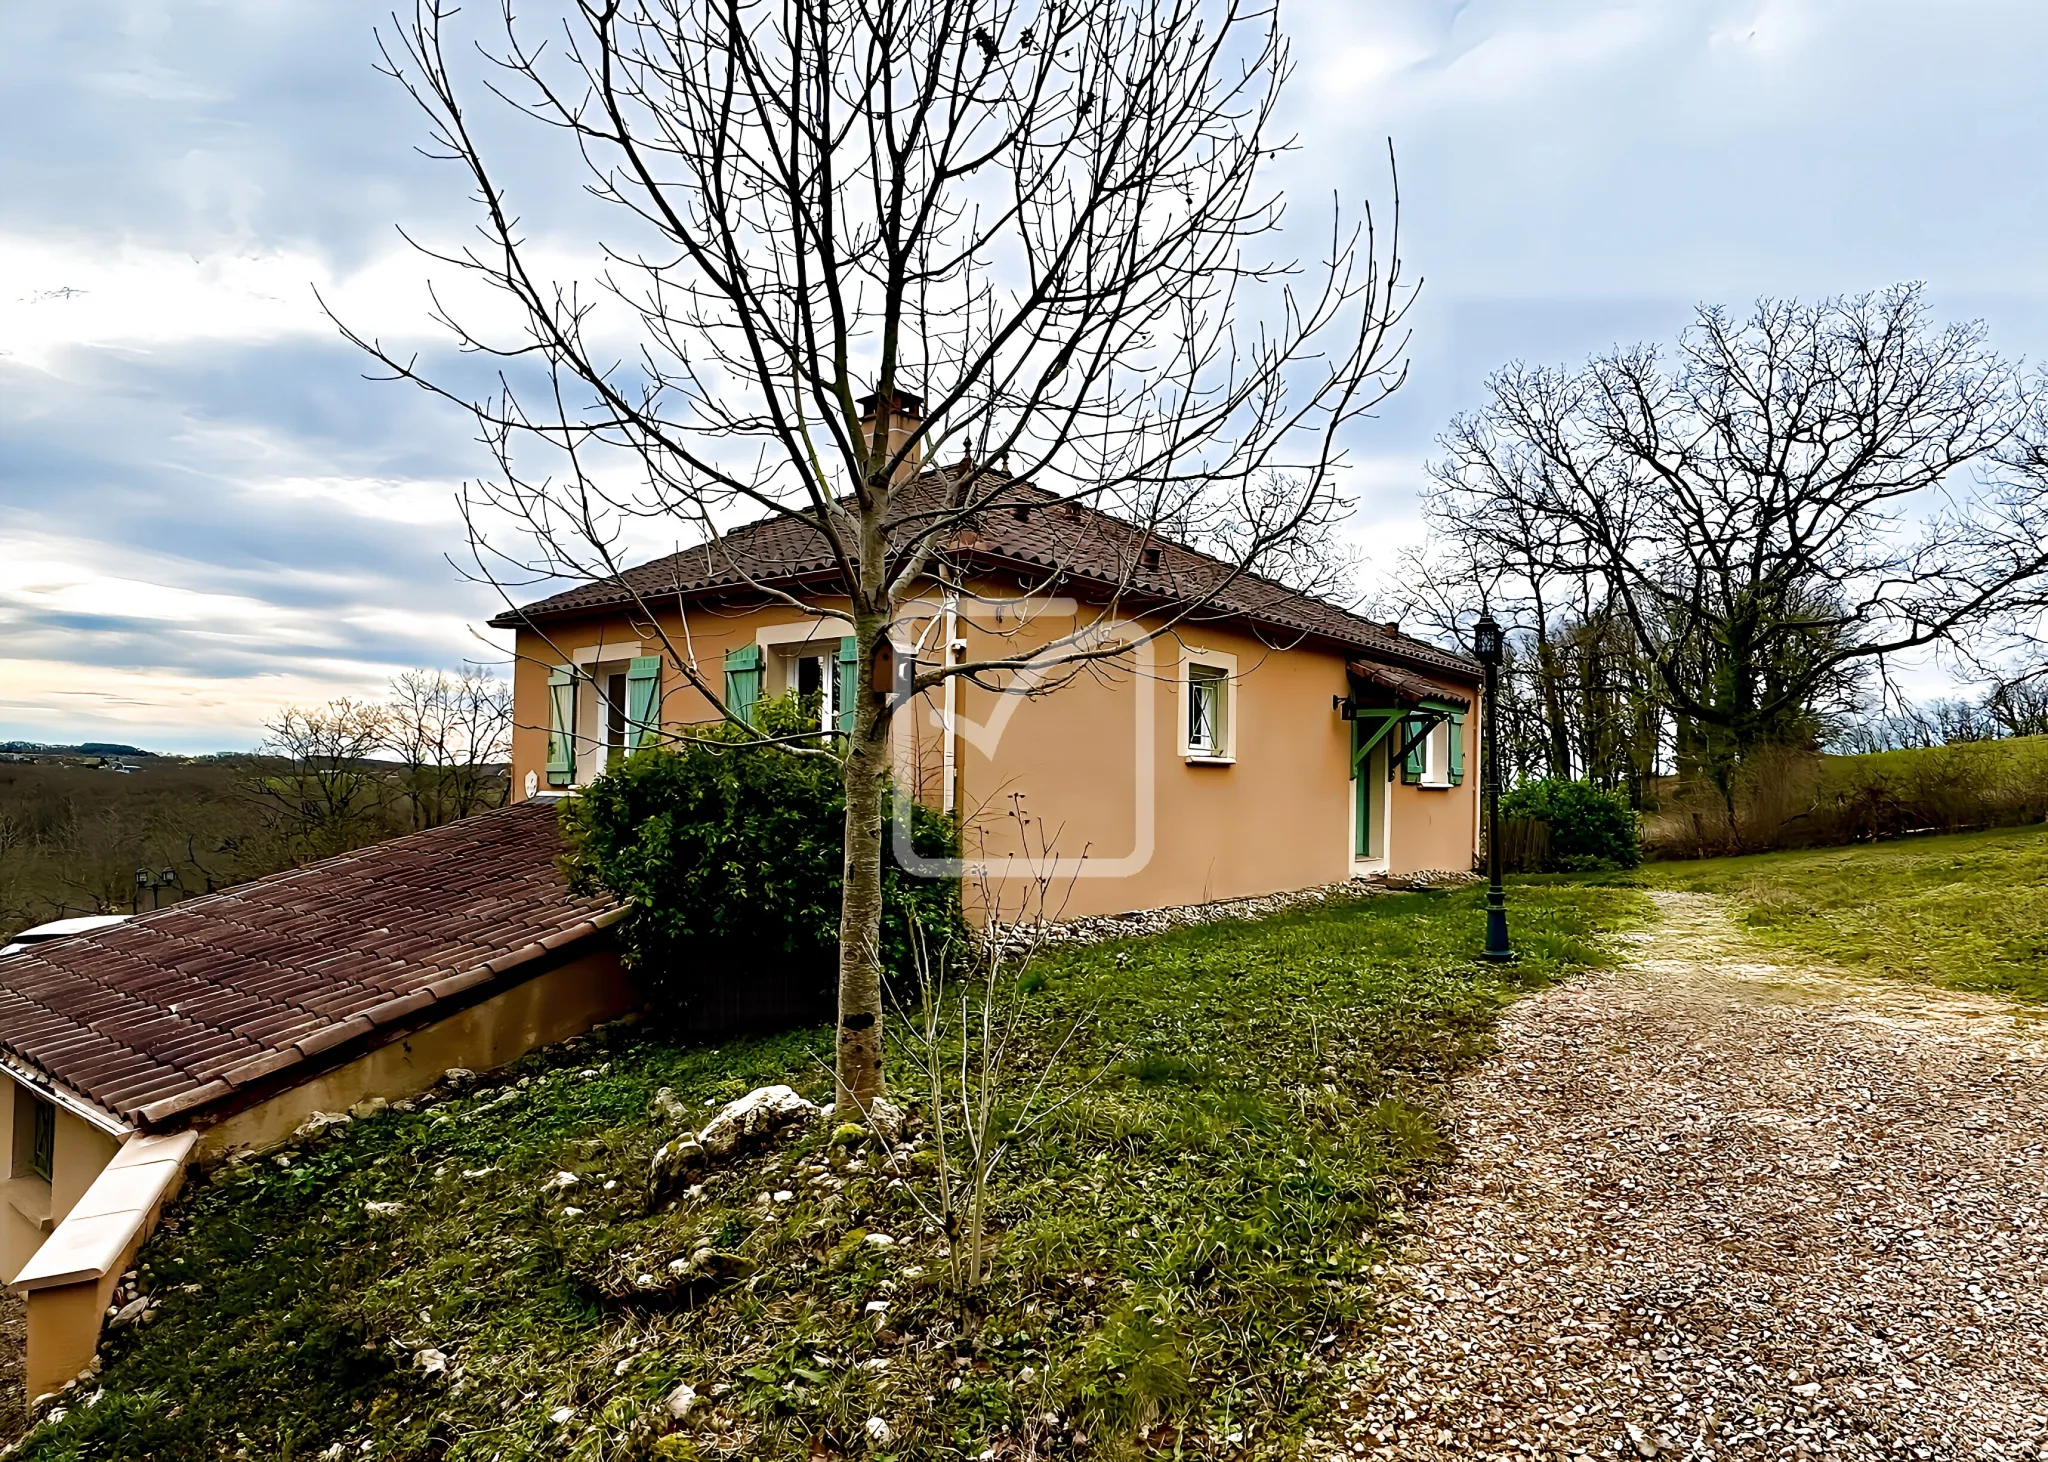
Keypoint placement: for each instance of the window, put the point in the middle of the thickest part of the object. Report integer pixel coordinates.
(614, 718)
(815, 675)
(1433, 757)
(1437, 756)
(1208, 711)
(35, 1135)
(825, 670)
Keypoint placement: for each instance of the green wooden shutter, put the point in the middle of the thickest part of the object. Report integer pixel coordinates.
(1361, 792)
(743, 681)
(1457, 740)
(1411, 764)
(643, 701)
(849, 681)
(561, 726)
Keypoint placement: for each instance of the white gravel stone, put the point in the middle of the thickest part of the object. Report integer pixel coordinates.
(1098, 928)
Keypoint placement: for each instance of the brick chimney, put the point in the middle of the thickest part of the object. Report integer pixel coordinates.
(902, 412)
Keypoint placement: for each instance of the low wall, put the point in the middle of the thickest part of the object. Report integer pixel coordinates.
(72, 1276)
(565, 1001)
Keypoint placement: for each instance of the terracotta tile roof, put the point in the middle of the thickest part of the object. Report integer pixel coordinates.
(1404, 686)
(1025, 528)
(158, 1018)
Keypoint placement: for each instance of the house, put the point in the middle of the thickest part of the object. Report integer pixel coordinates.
(1269, 741)
(128, 1051)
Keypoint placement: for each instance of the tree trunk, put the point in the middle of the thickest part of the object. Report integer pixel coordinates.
(858, 1057)
(1557, 733)
(858, 1063)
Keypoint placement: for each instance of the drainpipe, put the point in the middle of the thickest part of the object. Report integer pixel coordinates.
(948, 756)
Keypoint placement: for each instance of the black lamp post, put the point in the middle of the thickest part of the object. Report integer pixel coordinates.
(1486, 647)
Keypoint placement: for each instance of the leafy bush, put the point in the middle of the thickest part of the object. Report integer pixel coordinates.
(731, 855)
(1590, 830)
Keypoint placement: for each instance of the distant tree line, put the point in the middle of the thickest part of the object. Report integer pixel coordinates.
(1712, 555)
(2009, 708)
(327, 779)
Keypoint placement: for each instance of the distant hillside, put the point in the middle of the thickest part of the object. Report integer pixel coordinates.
(1805, 801)
(83, 748)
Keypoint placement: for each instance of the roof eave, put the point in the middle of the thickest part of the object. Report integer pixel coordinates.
(223, 1096)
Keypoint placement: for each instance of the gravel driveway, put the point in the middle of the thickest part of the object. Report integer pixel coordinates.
(1712, 1206)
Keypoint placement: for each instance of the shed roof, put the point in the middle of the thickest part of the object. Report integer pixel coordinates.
(1023, 528)
(155, 1020)
(1406, 687)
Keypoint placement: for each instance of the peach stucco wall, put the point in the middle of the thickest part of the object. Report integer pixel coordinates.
(551, 1007)
(1151, 826)
(1065, 772)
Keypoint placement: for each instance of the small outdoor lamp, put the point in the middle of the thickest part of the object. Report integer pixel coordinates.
(1486, 641)
(1487, 649)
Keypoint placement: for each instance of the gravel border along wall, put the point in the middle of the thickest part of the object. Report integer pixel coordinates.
(1097, 928)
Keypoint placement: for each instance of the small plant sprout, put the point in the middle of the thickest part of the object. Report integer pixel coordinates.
(962, 1038)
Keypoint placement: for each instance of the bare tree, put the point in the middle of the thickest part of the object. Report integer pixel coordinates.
(452, 735)
(319, 781)
(1783, 504)
(1019, 230)
(2019, 705)
(1494, 553)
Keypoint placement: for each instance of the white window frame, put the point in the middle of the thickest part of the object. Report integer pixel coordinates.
(593, 710)
(1198, 664)
(793, 655)
(801, 639)
(1436, 756)
(594, 666)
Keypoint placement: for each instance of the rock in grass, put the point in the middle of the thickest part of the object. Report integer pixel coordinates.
(317, 1123)
(740, 1124)
(881, 1117)
(760, 1113)
(667, 1110)
(670, 1163)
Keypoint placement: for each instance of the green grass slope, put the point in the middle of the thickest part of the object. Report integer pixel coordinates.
(1253, 1104)
(1968, 910)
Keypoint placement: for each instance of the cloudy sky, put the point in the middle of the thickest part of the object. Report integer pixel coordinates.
(207, 512)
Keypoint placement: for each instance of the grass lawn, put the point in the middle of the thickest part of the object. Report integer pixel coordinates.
(1177, 1248)
(1968, 910)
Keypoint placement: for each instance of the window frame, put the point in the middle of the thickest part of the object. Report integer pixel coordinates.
(35, 1135)
(825, 655)
(1436, 756)
(612, 702)
(1200, 666)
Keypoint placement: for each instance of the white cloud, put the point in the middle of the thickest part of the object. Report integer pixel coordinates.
(165, 709)
(190, 451)
(73, 292)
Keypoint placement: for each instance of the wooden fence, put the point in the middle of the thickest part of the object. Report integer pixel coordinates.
(1524, 845)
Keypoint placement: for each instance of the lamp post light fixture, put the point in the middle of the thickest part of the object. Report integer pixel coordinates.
(1487, 649)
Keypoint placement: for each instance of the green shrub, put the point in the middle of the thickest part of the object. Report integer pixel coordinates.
(1590, 830)
(731, 856)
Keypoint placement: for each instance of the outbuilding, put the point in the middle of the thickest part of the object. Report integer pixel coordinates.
(130, 1051)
